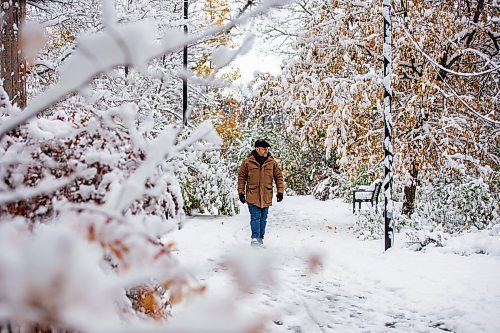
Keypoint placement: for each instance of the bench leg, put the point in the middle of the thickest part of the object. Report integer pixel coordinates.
(360, 205)
(353, 201)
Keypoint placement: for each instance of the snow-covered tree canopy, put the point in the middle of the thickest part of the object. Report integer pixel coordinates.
(445, 84)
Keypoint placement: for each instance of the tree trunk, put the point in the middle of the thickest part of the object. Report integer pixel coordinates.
(410, 191)
(12, 63)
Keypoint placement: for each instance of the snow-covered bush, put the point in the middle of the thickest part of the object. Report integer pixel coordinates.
(494, 229)
(207, 183)
(77, 157)
(446, 208)
(309, 167)
(455, 205)
(418, 240)
(325, 189)
(84, 201)
(335, 186)
(465, 244)
(344, 185)
(369, 224)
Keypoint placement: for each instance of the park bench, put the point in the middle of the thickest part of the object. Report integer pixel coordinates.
(366, 194)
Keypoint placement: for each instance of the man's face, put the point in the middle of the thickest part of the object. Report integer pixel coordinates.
(262, 151)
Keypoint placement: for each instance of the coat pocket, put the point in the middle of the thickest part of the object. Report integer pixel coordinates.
(268, 195)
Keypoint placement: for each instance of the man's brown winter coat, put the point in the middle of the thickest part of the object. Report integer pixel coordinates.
(257, 181)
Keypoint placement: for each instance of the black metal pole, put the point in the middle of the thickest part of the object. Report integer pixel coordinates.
(388, 156)
(185, 59)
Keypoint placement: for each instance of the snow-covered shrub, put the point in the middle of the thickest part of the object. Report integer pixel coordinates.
(325, 189)
(494, 185)
(317, 167)
(78, 157)
(418, 240)
(84, 201)
(347, 184)
(82, 264)
(207, 183)
(343, 188)
(446, 208)
(455, 206)
(369, 224)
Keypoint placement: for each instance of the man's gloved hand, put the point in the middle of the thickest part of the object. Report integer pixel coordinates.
(279, 197)
(242, 197)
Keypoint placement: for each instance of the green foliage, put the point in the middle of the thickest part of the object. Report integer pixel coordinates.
(444, 208)
(282, 148)
(453, 206)
(207, 183)
(345, 185)
(303, 168)
(494, 184)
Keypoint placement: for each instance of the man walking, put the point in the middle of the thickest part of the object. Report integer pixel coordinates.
(255, 187)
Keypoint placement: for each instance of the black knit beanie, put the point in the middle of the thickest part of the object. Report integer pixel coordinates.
(262, 143)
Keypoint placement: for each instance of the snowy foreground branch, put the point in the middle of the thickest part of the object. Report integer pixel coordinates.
(97, 257)
(86, 200)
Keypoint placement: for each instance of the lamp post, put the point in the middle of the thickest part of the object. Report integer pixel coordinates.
(185, 59)
(388, 156)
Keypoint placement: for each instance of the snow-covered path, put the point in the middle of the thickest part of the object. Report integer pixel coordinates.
(359, 288)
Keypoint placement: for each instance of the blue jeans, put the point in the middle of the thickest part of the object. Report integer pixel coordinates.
(258, 220)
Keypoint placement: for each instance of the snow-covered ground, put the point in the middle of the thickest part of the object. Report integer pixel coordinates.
(357, 288)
